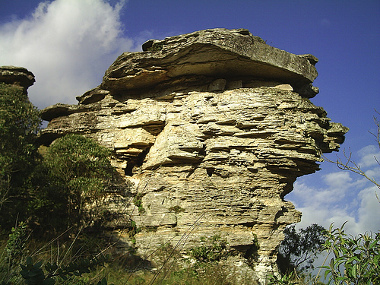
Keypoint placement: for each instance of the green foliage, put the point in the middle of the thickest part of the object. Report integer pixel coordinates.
(75, 157)
(19, 124)
(287, 279)
(210, 269)
(166, 257)
(55, 267)
(205, 274)
(156, 47)
(212, 249)
(137, 200)
(133, 230)
(12, 255)
(356, 260)
(76, 171)
(299, 249)
(35, 275)
(16, 243)
(252, 252)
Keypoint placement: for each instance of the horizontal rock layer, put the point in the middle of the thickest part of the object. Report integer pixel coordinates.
(219, 52)
(16, 76)
(210, 134)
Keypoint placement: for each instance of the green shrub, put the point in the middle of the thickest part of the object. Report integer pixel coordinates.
(12, 255)
(213, 249)
(356, 259)
(36, 274)
(76, 171)
(176, 209)
(16, 243)
(19, 124)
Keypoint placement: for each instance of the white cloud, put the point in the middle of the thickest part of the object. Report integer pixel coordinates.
(369, 156)
(341, 196)
(369, 211)
(361, 216)
(67, 44)
(338, 180)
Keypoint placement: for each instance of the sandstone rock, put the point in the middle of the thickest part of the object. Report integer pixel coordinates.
(210, 131)
(16, 76)
(226, 53)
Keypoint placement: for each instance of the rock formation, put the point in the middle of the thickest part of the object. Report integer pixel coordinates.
(210, 130)
(17, 76)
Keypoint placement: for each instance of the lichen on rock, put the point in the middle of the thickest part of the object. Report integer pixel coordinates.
(216, 123)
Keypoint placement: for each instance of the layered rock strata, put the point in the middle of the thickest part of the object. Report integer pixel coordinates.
(18, 76)
(210, 130)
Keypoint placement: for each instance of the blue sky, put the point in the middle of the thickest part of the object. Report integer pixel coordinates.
(68, 45)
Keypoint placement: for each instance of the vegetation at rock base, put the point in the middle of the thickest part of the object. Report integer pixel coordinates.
(74, 262)
(78, 172)
(210, 250)
(19, 124)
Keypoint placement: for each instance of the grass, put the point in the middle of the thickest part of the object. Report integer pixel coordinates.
(119, 268)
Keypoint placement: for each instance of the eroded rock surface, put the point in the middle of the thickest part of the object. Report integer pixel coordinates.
(18, 76)
(210, 130)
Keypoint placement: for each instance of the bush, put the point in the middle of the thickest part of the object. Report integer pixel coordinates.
(356, 259)
(19, 124)
(75, 172)
(214, 249)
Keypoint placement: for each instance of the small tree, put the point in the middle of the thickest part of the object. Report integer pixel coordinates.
(19, 124)
(78, 172)
(299, 248)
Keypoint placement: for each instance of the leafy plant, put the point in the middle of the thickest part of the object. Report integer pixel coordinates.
(176, 209)
(299, 248)
(213, 249)
(35, 275)
(16, 243)
(133, 230)
(156, 47)
(77, 172)
(12, 254)
(137, 200)
(286, 279)
(19, 124)
(356, 259)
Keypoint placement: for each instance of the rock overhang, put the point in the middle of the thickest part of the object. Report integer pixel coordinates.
(215, 53)
(16, 76)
